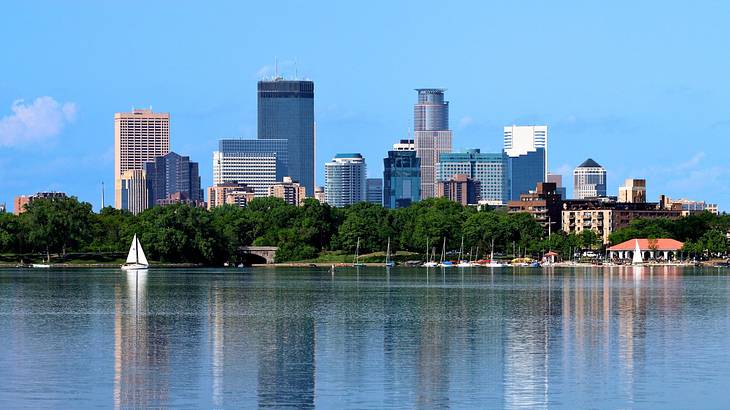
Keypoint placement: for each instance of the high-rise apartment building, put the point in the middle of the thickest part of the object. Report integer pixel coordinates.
(589, 180)
(320, 195)
(526, 148)
(633, 190)
(401, 176)
(255, 163)
(139, 137)
(171, 174)
(374, 190)
(133, 191)
(286, 111)
(487, 169)
(432, 136)
(344, 178)
(293, 193)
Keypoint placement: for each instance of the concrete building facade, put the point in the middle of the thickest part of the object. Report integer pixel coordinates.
(432, 136)
(486, 169)
(293, 193)
(139, 137)
(589, 180)
(345, 179)
(459, 188)
(133, 192)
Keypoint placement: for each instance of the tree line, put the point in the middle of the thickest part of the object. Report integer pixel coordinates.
(182, 233)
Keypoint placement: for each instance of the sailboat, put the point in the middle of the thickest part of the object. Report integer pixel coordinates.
(430, 262)
(637, 260)
(462, 262)
(136, 259)
(444, 263)
(357, 262)
(492, 263)
(388, 263)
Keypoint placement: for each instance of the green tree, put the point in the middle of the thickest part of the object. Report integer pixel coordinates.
(57, 225)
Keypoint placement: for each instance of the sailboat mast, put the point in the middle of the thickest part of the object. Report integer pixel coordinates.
(136, 249)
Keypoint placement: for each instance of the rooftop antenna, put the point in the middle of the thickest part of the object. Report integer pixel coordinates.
(276, 68)
(102, 195)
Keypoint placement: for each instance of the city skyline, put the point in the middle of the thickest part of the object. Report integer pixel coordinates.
(639, 120)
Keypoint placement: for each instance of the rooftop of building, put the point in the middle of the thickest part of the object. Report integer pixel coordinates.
(663, 244)
(348, 155)
(589, 163)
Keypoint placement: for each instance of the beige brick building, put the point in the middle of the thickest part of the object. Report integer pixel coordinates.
(293, 193)
(139, 137)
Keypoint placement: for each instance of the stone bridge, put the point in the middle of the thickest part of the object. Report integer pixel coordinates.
(267, 253)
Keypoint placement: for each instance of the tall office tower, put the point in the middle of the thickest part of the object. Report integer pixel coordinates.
(344, 179)
(256, 163)
(526, 148)
(401, 177)
(292, 192)
(139, 137)
(486, 169)
(557, 179)
(286, 111)
(633, 190)
(431, 134)
(170, 174)
(133, 192)
(374, 190)
(589, 180)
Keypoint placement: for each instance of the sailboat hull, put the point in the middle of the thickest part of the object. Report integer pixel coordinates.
(134, 266)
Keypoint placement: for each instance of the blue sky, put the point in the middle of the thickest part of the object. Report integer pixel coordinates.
(641, 87)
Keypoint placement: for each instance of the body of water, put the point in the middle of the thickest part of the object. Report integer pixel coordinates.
(369, 338)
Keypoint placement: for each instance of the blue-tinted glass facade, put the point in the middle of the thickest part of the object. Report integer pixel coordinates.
(401, 179)
(488, 169)
(170, 174)
(524, 172)
(374, 190)
(286, 111)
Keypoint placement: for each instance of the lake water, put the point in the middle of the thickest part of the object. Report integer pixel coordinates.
(408, 338)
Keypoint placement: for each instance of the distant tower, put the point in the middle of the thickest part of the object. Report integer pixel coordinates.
(344, 178)
(431, 134)
(102, 195)
(286, 111)
(526, 151)
(589, 180)
(139, 137)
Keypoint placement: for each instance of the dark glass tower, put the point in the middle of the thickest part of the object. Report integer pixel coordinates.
(524, 172)
(401, 179)
(286, 111)
(170, 174)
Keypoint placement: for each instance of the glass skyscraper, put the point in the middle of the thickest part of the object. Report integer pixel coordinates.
(431, 134)
(401, 178)
(485, 168)
(170, 174)
(374, 190)
(286, 111)
(524, 172)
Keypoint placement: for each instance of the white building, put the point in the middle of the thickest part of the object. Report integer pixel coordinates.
(257, 171)
(523, 139)
(589, 180)
(344, 178)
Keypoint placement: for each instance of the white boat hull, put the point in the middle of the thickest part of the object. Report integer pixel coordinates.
(134, 266)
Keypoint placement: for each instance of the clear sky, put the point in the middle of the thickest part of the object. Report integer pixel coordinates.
(641, 87)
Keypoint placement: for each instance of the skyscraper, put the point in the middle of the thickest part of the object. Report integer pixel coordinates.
(344, 178)
(401, 176)
(486, 169)
(526, 148)
(557, 179)
(256, 163)
(431, 134)
(170, 174)
(459, 188)
(286, 111)
(374, 190)
(139, 137)
(133, 192)
(589, 180)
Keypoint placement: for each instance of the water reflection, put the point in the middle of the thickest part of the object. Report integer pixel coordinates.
(494, 338)
(140, 352)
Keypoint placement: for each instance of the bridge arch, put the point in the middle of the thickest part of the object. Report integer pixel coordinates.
(255, 254)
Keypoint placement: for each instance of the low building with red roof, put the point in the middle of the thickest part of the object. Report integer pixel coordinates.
(663, 248)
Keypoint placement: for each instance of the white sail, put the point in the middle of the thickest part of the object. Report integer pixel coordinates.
(132, 256)
(141, 258)
(637, 260)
